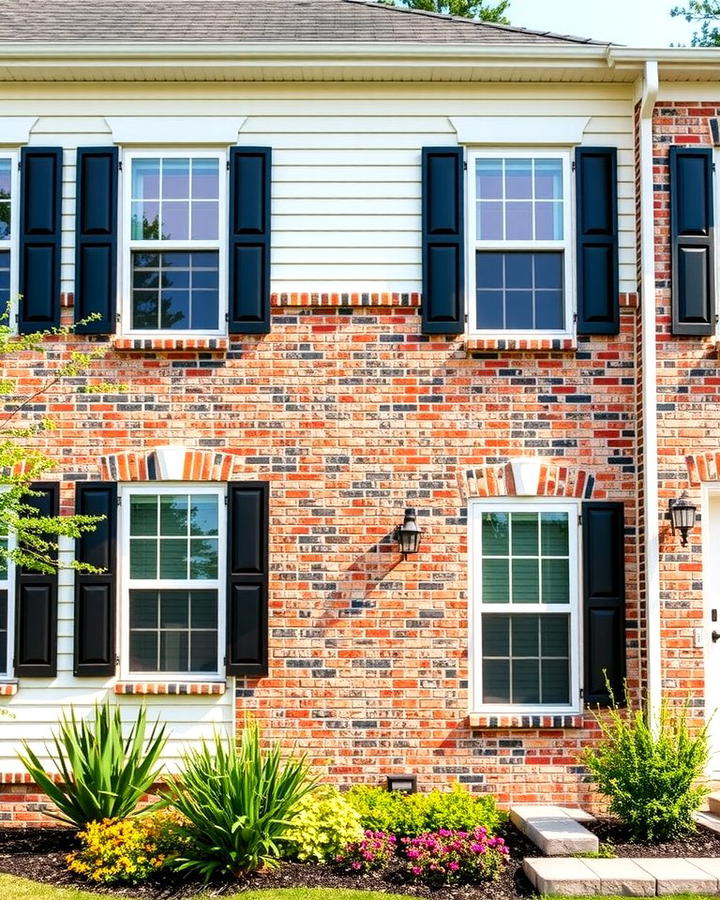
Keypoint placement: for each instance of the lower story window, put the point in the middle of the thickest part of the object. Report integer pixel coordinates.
(520, 291)
(525, 602)
(174, 542)
(174, 291)
(5, 594)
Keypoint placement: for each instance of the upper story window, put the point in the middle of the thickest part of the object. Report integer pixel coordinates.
(8, 193)
(520, 231)
(175, 242)
(173, 559)
(5, 607)
(526, 606)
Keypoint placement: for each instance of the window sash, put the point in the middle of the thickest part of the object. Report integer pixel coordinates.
(12, 245)
(475, 245)
(478, 609)
(127, 584)
(131, 245)
(7, 583)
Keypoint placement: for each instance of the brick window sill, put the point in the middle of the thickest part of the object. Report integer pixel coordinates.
(519, 722)
(177, 688)
(142, 345)
(520, 345)
(8, 688)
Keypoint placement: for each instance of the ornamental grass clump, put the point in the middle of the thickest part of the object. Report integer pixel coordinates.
(238, 802)
(653, 776)
(453, 857)
(103, 775)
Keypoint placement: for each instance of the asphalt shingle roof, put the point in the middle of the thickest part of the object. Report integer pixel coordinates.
(248, 21)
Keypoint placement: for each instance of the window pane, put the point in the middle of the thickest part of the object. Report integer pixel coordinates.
(490, 312)
(554, 530)
(3, 631)
(203, 514)
(526, 587)
(204, 220)
(525, 534)
(548, 179)
(518, 179)
(555, 680)
(174, 514)
(496, 635)
(143, 558)
(143, 609)
(203, 651)
(526, 681)
(145, 221)
(520, 290)
(556, 581)
(174, 651)
(525, 636)
(519, 271)
(174, 609)
(548, 270)
(549, 312)
(203, 558)
(175, 220)
(176, 179)
(554, 634)
(496, 581)
(205, 181)
(488, 174)
(5, 183)
(496, 681)
(143, 651)
(490, 221)
(519, 310)
(173, 558)
(203, 609)
(143, 514)
(518, 221)
(548, 221)
(4, 278)
(490, 270)
(146, 179)
(495, 532)
(189, 294)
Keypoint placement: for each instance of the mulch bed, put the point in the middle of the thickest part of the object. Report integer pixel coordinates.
(703, 842)
(39, 854)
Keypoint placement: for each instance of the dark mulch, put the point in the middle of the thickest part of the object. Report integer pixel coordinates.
(39, 854)
(703, 842)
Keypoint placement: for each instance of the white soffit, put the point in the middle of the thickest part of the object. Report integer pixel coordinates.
(175, 130)
(531, 130)
(16, 129)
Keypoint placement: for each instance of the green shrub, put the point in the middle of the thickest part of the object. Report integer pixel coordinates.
(322, 826)
(103, 775)
(653, 777)
(409, 815)
(117, 851)
(238, 803)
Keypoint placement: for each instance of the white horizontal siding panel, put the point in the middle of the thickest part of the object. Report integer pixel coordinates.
(340, 272)
(332, 224)
(348, 173)
(387, 257)
(350, 239)
(366, 188)
(350, 207)
(356, 125)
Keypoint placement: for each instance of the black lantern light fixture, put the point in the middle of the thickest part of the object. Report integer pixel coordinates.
(408, 534)
(681, 513)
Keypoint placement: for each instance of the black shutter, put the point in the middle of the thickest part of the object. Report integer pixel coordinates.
(249, 247)
(36, 603)
(40, 212)
(597, 240)
(96, 226)
(604, 600)
(443, 240)
(247, 597)
(95, 594)
(693, 267)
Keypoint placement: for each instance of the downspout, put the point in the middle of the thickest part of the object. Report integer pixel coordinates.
(649, 446)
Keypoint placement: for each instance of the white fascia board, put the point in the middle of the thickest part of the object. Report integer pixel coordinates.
(15, 130)
(173, 130)
(521, 130)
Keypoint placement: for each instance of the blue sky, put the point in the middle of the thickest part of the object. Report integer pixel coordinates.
(640, 23)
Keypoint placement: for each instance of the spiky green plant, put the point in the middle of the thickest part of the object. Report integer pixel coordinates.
(238, 801)
(103, 775)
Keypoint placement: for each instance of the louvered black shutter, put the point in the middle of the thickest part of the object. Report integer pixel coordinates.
(36, 603)
(96, 226)
(40, 212)
(247, 597)
(249, 249)
(443, 240)
(95, 594)
(693, 267)
(604, 600)
(597, 240)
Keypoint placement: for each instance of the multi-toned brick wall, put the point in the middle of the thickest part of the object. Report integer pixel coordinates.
(688, 409)
(352, 415)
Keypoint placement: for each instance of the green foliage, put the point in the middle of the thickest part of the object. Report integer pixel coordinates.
(605, 851)
(409, 815)
(239, 803)
(116, 851)
(323, 824)
(653, 776)
(103, 775)
(707, 14)
(467, 9)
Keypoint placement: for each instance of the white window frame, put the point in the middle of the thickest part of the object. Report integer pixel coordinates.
(566, 245)
(129, 245)
(476, 508)
(8, 584)
(125, 491)
(13, 245)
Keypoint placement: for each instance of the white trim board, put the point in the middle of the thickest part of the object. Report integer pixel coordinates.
(530, 130)
(175, 129)
(15, 130)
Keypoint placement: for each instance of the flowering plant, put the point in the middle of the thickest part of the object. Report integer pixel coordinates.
(453, 857)
(374, 851)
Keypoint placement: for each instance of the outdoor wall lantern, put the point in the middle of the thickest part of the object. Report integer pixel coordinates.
(681, 513)
(408, 534)
(405, 784)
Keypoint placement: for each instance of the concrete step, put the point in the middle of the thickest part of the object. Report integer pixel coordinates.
(713, 803)
(572, 877)
(553, 830)
(708, 820)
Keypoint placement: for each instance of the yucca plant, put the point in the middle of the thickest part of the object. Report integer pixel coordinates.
(102, 774)
(238, 801)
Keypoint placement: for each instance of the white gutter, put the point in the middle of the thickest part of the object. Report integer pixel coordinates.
(649, 393)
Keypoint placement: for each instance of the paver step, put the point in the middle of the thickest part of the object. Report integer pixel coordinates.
(572, 877)
(713, 803)
(708, 820)
(553, 829)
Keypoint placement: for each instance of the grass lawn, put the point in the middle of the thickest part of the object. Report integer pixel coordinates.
(12, 888)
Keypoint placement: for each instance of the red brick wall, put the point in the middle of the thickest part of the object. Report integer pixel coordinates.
(353, 415)
(688, 418)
